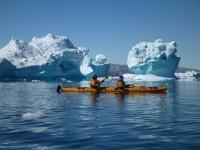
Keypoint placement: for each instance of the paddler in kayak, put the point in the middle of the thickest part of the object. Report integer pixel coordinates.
(120, 83)
(94, 83)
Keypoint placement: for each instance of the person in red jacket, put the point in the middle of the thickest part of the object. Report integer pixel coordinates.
(94, 83)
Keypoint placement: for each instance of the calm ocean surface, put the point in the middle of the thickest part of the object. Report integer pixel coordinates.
(34, 116)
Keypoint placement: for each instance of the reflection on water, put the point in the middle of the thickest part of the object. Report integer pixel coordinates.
(120, 96)
(94, 96)
(35, 116)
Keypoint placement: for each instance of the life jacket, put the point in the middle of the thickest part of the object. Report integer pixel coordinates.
(94, 83)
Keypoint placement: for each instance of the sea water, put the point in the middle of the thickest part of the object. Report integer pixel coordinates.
(34, 116)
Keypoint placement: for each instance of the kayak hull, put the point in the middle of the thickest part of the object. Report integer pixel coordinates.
(135, 89)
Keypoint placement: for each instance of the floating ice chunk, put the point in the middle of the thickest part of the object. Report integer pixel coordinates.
(32, 115)
(189, 75)
(151, 77)
(147, 77)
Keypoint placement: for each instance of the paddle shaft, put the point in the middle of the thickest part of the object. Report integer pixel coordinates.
(103, 79)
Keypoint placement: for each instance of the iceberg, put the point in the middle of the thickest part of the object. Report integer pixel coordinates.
(96, 66)
(157, 58)
(48, 57)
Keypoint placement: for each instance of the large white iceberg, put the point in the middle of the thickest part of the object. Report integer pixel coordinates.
(47, 57)
(158, 58)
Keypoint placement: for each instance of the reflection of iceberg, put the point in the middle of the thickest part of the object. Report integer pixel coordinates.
(154, 58)
(47, 57)
(97, 66)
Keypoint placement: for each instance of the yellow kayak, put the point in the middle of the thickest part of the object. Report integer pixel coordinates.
(133, 89)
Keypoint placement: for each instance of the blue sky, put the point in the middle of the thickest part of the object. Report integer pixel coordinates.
(110, 27)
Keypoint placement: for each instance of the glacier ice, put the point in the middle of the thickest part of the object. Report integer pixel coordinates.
(96, 66)
(47, 57)
(158, 58)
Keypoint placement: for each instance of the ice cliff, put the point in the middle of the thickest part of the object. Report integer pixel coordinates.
(158, 58)
(47, 57)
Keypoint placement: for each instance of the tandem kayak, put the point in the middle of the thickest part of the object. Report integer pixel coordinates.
(133, 89)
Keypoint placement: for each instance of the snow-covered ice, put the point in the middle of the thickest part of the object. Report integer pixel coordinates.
(189, 75)
(158, 58)
(46, 57)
